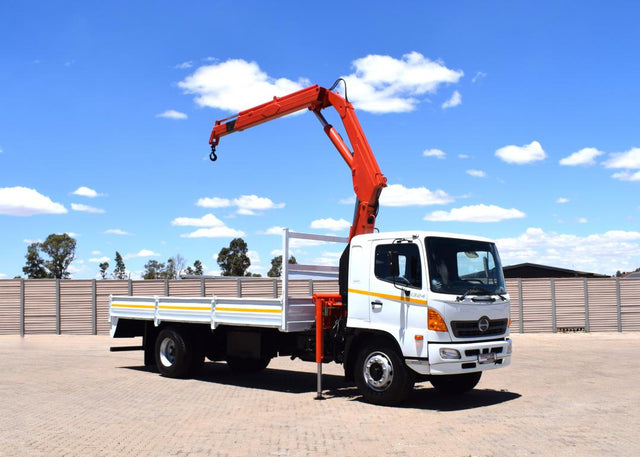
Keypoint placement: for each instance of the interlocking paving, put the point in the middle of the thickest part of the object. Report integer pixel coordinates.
(564, 394)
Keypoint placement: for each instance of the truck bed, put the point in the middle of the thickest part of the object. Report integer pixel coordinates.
(292, 315)
(286, 313)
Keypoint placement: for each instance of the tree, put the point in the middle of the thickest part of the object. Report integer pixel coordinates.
(233, 260)
(120, 271)
(60, 250)
(34, 268)
(196, 270)
(153, 270)
(104, 266)
(276, 266)
(170, 272)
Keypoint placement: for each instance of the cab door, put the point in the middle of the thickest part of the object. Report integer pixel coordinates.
(396, 297)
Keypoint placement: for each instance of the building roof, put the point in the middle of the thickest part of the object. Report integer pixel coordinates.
(533, 270)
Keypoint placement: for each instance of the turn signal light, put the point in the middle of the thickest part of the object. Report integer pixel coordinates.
(436, 322)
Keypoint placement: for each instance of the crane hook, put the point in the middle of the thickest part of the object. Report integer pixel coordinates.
(213, 157)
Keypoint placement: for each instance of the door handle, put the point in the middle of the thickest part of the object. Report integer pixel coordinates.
(377, 304)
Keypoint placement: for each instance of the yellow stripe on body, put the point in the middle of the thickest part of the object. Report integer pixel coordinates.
(389, 297)
(187, 308)
(247, 310)
(123, 305)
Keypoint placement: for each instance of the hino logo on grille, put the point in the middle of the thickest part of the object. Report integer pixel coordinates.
(483, 324)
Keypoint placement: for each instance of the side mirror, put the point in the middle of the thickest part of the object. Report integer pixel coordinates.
(394, 269)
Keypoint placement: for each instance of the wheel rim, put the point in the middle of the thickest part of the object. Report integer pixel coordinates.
(167, 352)
(378, 371)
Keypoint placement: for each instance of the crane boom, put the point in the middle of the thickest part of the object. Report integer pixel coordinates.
(368, 180)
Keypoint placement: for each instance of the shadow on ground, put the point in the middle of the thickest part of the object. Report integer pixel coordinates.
(423, 396)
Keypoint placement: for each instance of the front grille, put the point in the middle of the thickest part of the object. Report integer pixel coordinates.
(470, 329)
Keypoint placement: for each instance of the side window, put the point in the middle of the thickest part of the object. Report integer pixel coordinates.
(409, 264)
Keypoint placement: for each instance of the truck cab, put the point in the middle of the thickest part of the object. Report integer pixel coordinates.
(440, 297)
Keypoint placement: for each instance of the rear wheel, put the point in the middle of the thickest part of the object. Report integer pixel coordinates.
(174, 357)
(246, 365)
(456, 384)
(381, 375)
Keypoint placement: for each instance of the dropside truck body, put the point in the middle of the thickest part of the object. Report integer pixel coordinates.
(412, 306)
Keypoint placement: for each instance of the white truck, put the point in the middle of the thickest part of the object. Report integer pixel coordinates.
(411, 306)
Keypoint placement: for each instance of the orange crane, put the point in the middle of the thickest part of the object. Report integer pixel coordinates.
(368, 180)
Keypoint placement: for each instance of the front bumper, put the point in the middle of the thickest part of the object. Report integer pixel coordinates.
(477, 356)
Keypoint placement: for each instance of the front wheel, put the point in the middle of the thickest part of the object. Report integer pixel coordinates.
(456, 384)
(381, 375)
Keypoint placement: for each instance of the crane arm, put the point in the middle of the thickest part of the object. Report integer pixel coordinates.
(368, 180)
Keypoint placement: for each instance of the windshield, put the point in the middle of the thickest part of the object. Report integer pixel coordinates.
(464, 267)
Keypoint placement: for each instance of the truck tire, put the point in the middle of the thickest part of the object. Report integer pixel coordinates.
(243, 365)
(381, 374)
(456, 384)
(174, 357)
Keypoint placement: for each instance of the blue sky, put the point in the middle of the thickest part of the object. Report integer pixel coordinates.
(512, 120)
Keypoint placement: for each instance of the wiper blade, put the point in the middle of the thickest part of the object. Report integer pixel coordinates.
(478, 291)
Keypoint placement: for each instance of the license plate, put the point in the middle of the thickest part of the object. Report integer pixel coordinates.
(487, 358)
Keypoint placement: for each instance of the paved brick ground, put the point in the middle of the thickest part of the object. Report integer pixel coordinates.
(68, 396)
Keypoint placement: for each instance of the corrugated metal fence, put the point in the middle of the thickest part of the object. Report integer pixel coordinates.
(49, 306)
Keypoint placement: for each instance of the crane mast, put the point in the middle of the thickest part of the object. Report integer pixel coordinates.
(368, 180)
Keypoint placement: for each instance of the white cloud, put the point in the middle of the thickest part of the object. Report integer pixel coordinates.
(99, 259)
(348, 201)
(254, 257)
(86, 208)
(275, 230)
(172, 114)
(434, 153)
(629, 159)
(83, 191)
(331, 224)
(475, 213)
(208, 220)
(330, 259)
(562, 200)
(214, 232)
(248, 205)
(31, 241)
(477, 173)
(383, 84)
(521, 154)
(463, 156)
(398, 195)
(1, 150)
(583, 220)
(455, 100)
(142, 253)
(212, 227)
(2, 275)
(96, 252)
(235, 85)
(116, 232)
(23, 201)
(183, 65)
(379, 83)
(601, 253)
(585, 156)
(627, 176)
(479, 75)
(213, 202)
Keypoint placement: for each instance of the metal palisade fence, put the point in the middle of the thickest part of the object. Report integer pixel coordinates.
(49, 306)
